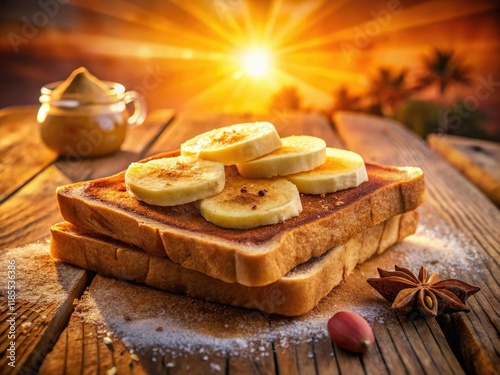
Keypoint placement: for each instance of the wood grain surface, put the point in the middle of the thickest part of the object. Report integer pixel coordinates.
(476, 159)
(31, 209)
(23, 154)
(455, 213)
(452, 198)
(44, 297)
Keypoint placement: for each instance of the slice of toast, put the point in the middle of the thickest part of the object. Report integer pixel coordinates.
(296, 293)
(252, 257)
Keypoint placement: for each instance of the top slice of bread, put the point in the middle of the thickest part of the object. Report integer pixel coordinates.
(251, 257)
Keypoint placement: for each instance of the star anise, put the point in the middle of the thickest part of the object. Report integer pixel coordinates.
(429, 296)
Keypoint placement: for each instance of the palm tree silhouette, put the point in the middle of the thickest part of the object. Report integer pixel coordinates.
(286, 99)
(444, 68)
(390, 88)
(344, 101)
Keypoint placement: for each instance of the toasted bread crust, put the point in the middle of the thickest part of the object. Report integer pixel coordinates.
(252, 257)
(296, 293)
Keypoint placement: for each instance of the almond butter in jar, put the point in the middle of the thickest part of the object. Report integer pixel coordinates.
(86, 117)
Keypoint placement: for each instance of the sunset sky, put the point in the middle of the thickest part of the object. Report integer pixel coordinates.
(233, 55)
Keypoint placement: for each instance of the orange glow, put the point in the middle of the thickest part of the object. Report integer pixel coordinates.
(235, 55)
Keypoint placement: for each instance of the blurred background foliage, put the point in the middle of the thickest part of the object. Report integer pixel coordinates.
(393, 92)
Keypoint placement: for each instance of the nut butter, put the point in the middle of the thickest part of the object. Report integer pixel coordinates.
(86, 117)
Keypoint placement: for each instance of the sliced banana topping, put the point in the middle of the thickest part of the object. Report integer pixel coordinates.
(257, 196)
(343, 169)
(248, 203)
(234, 144)
(173, 181)
(298, 153)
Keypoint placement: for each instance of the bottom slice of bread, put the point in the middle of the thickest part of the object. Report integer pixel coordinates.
(296, 293)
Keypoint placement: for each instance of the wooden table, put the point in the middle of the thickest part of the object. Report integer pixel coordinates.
(58, 307)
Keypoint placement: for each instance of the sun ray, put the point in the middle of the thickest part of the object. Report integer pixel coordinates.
(337, 75)
(308, 17)
(101, 45)
(311, 43)
(198, 77)
(231, 20)
(271, 22)
(211, 93)
(251, 95)
(204, 17)
(322, 99)
(138, 15)
(240, 93)
(413, 17)
(252, 36)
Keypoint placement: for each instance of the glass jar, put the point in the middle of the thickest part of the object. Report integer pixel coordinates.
(84, 126)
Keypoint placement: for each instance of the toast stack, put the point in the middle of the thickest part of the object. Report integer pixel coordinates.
(284, 268)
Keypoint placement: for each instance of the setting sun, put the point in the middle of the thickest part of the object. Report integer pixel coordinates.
(256, 62)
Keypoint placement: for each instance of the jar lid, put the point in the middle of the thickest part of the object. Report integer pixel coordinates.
(83, 86)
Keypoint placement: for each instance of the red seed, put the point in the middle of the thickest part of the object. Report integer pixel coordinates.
(350, 331)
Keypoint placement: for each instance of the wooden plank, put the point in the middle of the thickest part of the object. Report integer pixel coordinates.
(396, 349)
(429, 343)
(187, 124)
(137, 142)
(197, 363)
(28, 214)
(462, 335)
(168, 333)
(260, 360)
(290, 359)
(374, 363)
(324, 355)
(43, 304)
(436, 345)
(23, 153)
(476, 159)
(456, 214)
(393, 357)
(348, 363)
(84, 347)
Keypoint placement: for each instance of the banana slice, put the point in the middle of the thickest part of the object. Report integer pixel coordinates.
(173, 181)
(234, 144)
(298, 153)
(343, 169)
(246, 203)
